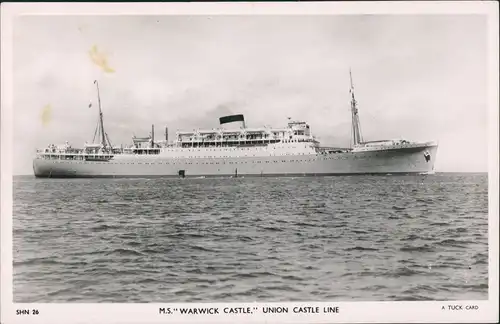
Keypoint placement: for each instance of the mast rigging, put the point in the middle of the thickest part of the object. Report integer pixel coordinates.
(100, 125)
(356, 128)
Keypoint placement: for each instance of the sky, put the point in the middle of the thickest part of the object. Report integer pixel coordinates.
(418, 77)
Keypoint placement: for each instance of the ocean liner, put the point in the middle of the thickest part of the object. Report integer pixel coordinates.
(234, 150)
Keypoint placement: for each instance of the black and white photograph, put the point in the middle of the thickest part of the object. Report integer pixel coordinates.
(251, 158)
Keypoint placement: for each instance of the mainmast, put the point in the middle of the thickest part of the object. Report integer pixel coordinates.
(356, 128)
(101, 122)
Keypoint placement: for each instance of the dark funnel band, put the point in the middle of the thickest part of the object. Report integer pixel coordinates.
(230, 119)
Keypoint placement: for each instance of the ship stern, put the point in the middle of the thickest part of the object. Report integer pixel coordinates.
(40, 170)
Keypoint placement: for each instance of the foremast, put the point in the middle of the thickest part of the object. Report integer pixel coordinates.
(356, 127)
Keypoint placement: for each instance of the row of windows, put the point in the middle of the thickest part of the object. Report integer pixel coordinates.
(216, 163)
(335, 156)
(323, 157)
(332, 156)
(188, 157)
(232, 149)
(229, 156)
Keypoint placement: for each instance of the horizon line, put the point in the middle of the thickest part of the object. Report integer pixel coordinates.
(30, 174)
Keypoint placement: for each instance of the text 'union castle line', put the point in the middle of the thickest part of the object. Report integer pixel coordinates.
(235, 150)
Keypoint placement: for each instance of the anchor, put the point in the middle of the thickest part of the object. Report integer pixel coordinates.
(427, 156)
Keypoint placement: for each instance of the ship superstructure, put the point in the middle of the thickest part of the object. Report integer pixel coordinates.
(234, 149)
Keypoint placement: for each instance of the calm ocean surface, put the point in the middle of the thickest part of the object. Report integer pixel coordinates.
(353, 238)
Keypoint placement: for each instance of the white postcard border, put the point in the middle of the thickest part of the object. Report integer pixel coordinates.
(348, 312)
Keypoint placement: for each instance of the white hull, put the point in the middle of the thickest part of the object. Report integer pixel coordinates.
(393, 161)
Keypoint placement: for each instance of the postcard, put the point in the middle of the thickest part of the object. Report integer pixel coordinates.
(274, 162)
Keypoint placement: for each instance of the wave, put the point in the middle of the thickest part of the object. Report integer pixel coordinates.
(201, 248)
(256, 274)
(361, 248)
(49, 261)
(104, 227)
(417, 248)
(124, 252)
(455, 243)
(402, 272)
